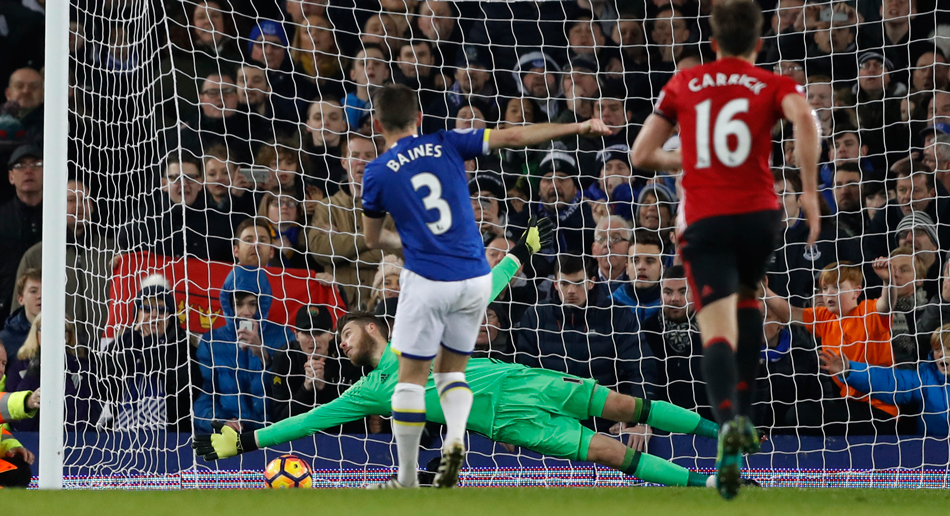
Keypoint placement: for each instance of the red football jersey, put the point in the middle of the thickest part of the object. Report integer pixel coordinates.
(726, 111)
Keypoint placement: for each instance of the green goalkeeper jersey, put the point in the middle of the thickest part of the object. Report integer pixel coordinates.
(371, 395)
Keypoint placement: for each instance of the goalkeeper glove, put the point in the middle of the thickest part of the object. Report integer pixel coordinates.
(227, 443)
(539, 234)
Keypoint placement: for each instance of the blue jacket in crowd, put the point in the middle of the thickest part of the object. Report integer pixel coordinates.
(926, 386)
(234, 379)
(644, 303)
(14, 332)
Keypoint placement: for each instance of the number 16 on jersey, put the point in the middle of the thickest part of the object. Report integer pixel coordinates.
(726, 125)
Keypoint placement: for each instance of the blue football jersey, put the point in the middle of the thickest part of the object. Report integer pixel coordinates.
(421, 182)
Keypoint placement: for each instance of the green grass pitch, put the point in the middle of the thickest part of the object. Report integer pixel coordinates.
(480, 502)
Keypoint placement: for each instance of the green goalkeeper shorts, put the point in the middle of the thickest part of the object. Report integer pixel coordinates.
(542, 410)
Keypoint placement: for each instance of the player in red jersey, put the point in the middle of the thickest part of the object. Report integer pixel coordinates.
(729, 222)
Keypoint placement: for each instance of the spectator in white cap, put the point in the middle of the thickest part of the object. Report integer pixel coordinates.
(150, 369)
(386, 281)
(537, 76)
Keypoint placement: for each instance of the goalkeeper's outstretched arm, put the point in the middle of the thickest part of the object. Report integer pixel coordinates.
(360, 400)
(226, 442)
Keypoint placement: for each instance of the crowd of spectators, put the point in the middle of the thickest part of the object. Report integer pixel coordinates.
(260, 126)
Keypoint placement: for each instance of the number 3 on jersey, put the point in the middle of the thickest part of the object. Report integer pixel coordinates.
(724, 127)
(434, 201)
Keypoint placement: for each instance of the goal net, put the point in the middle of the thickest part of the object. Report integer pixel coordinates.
(216, 149)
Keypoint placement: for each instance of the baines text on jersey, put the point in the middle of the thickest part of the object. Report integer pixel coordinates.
(426, 150)
(721, 79)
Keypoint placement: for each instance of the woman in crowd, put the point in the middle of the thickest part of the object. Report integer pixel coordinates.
(314, 53)
(82, 396)
(286, 163)
(386, 282)
(287, 219)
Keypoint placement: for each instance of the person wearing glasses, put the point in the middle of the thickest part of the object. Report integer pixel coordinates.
(21, 218)
(793, 69)
(220, 119)
(611, 243)
(176, 222)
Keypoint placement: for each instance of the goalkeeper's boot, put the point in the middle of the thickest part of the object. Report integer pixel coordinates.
(729, 460)
(393, 483)
(751, 441)
(452, 458)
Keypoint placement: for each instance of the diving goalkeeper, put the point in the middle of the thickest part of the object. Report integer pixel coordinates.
(537, 409)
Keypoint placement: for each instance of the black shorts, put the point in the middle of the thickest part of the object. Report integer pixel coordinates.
(720, 254)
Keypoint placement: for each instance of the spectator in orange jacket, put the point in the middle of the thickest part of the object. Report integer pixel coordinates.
(859, 331)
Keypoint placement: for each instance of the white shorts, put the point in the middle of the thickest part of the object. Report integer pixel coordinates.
(433, 313)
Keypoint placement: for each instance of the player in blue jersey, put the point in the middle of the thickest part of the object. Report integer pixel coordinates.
(445, 286)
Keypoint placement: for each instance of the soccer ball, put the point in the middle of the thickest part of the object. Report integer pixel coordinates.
(288, 471)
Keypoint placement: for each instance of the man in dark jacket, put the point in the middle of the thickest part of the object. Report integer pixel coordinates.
(937, 312)
(674, 338)
(641, 294)
(219, 121)
(917, 191)
(307, 373)
(560, 200)
(26, 89)
(878, 105)
(794, 269)
(176, 223)
(788, 374)
(150, 372)
(89, 254)
(851, 216)
(473, 86)
(586, 339)
(21, 218)
(326, 124)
